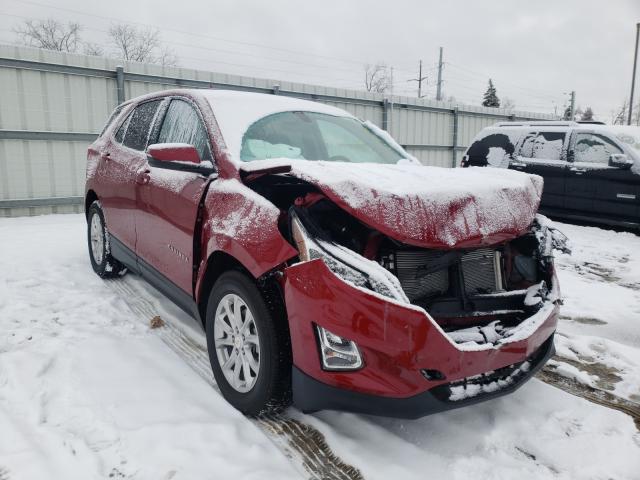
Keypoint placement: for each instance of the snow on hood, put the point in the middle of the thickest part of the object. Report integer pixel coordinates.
(235, 112)
(430, 207)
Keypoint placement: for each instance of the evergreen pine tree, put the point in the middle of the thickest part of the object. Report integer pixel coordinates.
(587, 116)
(490, 97)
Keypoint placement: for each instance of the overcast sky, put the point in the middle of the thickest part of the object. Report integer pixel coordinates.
(535, 51)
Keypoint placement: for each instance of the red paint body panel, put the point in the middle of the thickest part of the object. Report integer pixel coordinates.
(396, 341)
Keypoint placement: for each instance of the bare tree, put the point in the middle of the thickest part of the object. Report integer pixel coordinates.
(90, 48)
(140, 45)
(377, 78)
(619, 116)
(508, 104)
(50, 34)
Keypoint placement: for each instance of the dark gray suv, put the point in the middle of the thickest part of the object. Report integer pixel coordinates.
(591, 171)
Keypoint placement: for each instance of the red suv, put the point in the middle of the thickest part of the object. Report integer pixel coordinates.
(327, 266)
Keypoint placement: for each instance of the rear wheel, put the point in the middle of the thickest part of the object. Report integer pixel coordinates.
(248, 346)
(98, 239)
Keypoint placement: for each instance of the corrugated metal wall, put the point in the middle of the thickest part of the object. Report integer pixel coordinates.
(52, 104)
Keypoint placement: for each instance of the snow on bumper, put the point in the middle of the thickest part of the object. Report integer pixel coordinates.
(398, 342)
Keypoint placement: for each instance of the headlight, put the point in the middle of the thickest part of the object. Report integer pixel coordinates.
(338, 353)
(346, 264)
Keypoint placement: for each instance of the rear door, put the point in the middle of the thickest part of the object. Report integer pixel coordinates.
(595, 188)
(168, 203)
(123, 157)
(543, 153)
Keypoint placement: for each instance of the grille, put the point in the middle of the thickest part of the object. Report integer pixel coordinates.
(410, 271)
(481, 271)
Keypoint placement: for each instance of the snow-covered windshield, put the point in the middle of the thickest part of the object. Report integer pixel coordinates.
(315, 136)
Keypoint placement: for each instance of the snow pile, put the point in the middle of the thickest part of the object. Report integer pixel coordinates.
(424, 206)
(88, 391)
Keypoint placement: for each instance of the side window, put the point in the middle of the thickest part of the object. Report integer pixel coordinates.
(182, 124)
(112, 117)
(139, 124)
(123, 128)
(543, 145)
(594, 148)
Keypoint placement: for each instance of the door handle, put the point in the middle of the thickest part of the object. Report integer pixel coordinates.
(143, 177)
(578, 170)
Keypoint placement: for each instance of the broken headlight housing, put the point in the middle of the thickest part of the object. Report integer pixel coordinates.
(345, 263)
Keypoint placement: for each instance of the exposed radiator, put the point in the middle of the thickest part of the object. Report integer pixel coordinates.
(481, 270)
(414, 268)
(409, 267)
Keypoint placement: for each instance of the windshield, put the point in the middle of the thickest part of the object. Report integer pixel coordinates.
(315, 136)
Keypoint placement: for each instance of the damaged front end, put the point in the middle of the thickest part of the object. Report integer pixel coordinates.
(384, 327)
(476, 295)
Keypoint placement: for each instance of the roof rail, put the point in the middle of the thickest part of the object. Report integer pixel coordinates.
(591, 122)
(541, 123)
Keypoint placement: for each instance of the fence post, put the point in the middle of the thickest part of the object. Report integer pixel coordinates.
(385, 114)
(276, 89)
(454, 141)
(120, 83)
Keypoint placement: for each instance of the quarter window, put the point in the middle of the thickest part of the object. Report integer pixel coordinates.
(543, 145)
(594, 148)
(182, 124)
(138, 125)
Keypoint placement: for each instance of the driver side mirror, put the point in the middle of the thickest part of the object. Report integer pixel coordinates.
(178, 156)
(620, 160)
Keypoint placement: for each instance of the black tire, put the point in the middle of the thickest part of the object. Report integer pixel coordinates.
(272, 389)
(105, 265)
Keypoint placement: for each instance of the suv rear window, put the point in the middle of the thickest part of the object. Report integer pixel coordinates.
(138, 124)
(495, 150)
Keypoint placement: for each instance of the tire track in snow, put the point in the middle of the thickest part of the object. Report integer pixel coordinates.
(305, 446)
(594, 395)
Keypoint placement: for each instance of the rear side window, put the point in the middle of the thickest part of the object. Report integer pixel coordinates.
(594, 148)
(494, 150)
(138, 124)
(182, 124)
(113, 116)
(543, 145)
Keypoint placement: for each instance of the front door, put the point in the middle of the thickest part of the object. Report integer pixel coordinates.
(544, 153)
(597, 189)
(168, 203)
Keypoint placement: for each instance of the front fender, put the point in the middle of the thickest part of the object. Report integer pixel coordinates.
(244, 225)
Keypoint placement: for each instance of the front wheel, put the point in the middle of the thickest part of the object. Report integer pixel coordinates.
(98, 238)
(248, 346)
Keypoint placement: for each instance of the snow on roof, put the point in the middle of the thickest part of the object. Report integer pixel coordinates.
(237, 111)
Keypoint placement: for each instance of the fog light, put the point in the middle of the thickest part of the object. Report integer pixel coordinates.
(338, 353)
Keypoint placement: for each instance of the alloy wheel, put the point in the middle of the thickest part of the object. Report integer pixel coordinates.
(236, 342)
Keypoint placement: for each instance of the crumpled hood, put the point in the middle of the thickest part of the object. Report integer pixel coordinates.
(429, 207)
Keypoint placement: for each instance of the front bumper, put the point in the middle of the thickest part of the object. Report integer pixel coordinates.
(310, 395)
(398, 342)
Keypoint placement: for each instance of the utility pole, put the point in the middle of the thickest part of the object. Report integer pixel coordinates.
(633, 75)
(573, 104)
(419, 79)
(439, 91)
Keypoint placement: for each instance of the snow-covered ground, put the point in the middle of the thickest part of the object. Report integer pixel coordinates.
(89, 390)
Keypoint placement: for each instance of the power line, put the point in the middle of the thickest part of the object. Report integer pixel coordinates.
(185, 32)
